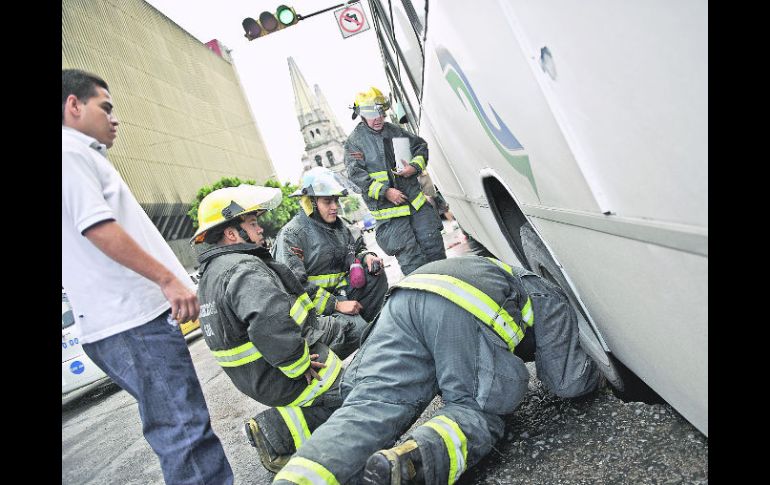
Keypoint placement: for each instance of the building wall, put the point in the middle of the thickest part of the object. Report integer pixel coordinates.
(184, 119)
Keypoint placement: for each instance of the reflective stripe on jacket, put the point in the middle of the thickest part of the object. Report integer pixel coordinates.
(319, 255)
(255, 317)
(496, 296)
(373, 173)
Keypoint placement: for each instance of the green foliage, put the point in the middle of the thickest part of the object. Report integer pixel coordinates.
(275, 219)
(271, 221)
(350, 204)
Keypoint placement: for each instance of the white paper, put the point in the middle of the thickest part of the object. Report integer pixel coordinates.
(402, 151)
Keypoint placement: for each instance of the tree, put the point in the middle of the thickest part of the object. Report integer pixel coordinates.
(272, 221)
(350, 204)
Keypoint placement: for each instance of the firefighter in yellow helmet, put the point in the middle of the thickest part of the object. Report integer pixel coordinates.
(407, 227)
(319, 248)
(261, 326)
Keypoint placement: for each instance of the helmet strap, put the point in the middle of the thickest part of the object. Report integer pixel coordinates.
(245, 235)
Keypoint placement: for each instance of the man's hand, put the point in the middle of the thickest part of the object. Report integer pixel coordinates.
(184, 303)
(395, 196)
(370, 259)
(407, 171)
(349, 307)
(310, 373)
(115, 242)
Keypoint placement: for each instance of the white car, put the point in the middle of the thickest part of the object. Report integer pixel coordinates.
(77, 369)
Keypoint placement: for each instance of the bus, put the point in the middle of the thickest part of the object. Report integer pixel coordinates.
(571, 137)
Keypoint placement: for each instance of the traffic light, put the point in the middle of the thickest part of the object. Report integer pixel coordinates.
(268, 23)
(286, 16)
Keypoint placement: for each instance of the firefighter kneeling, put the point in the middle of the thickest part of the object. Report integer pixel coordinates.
(319, 248)
(262, 327)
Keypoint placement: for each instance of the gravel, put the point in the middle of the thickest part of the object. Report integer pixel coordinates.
(596, 439)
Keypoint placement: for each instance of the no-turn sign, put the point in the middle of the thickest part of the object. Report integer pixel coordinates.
(351, 20)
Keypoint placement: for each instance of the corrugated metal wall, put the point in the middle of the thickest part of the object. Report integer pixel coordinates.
(184, 119)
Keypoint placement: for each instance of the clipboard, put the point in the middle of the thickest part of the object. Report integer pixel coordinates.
(401, 151)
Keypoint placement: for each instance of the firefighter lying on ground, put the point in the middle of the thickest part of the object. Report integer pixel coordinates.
(319, 248)
(262, 327)
(458, 327)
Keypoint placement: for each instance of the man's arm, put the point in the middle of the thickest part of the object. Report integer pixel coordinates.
(357, 173)
(289, 250)
(419, 161)
(376, 188)
(273, 318)
(115, 242)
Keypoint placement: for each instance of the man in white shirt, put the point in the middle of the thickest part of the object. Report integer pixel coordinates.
(121, 278)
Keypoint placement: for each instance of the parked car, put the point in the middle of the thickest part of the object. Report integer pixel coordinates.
(77, 369)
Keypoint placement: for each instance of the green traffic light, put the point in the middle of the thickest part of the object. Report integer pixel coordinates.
(285, 15)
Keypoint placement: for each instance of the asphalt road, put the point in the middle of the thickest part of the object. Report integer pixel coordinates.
(548, 441)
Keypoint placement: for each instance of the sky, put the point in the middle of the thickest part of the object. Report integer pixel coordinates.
(340, 67)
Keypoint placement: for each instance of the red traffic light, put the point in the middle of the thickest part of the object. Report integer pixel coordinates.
(252, 28)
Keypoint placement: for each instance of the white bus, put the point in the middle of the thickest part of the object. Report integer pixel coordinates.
(572, 137)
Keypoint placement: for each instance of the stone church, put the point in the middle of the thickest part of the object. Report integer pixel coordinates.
(321, 131)
(323, 136)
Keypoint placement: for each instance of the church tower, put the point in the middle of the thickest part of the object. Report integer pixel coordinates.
(322, 133)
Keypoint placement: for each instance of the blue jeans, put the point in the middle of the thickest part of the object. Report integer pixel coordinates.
(152, 363)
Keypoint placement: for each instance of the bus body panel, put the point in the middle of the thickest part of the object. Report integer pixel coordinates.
(593, 117)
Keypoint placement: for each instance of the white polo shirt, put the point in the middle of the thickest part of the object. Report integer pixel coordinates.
(106, 297)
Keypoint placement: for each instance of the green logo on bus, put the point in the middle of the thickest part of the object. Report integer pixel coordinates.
(504, 140)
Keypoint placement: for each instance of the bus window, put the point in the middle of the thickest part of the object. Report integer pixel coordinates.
(409, 44)
(415, 10)
(410, 77)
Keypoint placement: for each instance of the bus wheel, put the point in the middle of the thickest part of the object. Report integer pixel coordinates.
(543, 265)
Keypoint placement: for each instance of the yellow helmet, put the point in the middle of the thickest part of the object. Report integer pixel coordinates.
(370, 104)
(222, 205)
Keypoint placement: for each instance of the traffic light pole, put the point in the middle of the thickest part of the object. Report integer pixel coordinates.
(303, 17)
(284, 17)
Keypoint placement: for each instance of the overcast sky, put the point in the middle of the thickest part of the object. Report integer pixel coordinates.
(340, 67)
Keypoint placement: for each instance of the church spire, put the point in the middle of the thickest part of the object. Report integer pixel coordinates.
(329, 114)
(304, 101)
(322, 133)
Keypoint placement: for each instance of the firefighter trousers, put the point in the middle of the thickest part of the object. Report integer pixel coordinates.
(414, 240)
(423, 344)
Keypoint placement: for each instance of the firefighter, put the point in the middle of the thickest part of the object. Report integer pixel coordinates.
(407, 227)
(261, 326)
(459, 327)
(319, 248)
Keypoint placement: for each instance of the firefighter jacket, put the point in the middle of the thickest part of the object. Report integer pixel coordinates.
(320, 255)
(373, 174)
(255, 318)
(489, 289)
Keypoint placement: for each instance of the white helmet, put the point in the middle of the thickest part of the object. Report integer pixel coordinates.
(320, 182)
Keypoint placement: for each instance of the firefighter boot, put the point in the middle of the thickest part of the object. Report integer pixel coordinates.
(267, 455)
(400, 465)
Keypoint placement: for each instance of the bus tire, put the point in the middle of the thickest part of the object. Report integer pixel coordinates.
(542, 264)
